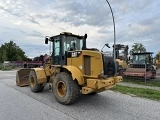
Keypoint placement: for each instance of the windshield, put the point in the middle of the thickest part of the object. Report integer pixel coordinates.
(141, 59)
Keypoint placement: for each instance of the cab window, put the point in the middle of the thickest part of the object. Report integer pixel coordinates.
(57, 47)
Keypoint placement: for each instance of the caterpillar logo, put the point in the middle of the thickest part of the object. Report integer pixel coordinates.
(76, 54)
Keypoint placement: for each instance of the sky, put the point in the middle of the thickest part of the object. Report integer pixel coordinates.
(27, 22)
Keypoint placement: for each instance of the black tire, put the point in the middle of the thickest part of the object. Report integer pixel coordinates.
(65, 89)
(93, 93)
(33, 84)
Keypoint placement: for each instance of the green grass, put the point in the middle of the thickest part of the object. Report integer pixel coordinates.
(151, 82)
(139, 92)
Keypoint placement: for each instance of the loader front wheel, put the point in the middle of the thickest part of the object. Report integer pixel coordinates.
(65, 89)
(34, 86)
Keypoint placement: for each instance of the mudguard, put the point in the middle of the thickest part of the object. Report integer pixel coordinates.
(41, 75)
(76, 74)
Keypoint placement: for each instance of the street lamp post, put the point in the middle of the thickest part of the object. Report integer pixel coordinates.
(114, 37)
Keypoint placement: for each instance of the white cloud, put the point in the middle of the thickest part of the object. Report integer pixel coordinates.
(30, 21)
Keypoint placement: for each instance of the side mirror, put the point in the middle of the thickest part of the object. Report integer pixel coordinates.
(46, 40)
(107, 45)
(85, 36)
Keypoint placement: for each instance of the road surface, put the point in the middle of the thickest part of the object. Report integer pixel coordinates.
(19, 103)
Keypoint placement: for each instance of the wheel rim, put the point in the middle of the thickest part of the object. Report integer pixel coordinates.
(61, 88)
(32, 81)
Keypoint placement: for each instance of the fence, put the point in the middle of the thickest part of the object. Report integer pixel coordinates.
(10, 66)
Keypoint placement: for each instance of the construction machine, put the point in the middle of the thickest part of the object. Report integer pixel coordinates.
(141, 66)
(71, 69)
(121, 55)
(157, 63)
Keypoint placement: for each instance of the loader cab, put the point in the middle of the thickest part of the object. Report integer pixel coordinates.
(61, 44)
(121, 52)
(121, 55)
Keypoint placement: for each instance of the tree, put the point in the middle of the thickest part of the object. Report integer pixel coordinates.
(3, 56)
(38, 58)
(11, 52)
(138, 48)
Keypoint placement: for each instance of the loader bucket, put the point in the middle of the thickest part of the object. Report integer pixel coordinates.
(22, 77)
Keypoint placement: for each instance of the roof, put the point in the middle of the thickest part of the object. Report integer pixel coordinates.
(67, 34)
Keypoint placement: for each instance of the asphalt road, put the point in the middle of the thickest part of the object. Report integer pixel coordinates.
(19, 103)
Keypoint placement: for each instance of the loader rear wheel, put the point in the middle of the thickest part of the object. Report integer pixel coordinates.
(34, 86)
(65, 89)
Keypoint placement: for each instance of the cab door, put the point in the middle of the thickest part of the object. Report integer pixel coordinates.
(57, 57)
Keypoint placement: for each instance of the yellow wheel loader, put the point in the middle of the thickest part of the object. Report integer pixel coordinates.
(157, 61)
(71, 69)
(121, 55)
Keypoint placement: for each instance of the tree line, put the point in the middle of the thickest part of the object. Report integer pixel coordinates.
(11, 52)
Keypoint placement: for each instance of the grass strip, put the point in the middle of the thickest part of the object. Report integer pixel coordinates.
(152, 82)
(139, 92)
